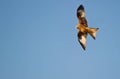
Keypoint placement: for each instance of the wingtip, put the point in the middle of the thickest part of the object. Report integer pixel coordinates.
(81, 7)
(84, 49)
(83, 46)
(94, 38)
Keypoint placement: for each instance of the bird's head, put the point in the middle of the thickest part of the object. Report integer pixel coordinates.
(77, 26)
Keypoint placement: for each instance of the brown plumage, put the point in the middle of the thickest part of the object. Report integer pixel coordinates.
(83, 29)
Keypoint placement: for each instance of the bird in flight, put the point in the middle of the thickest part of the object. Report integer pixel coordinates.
(83, 29)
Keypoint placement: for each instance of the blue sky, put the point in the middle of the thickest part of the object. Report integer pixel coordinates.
(38, 40)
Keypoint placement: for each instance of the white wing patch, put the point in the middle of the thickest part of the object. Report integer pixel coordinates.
(82, 13)
(83, 40)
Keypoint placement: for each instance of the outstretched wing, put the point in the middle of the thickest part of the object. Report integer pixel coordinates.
(82, 39)
(81, 15)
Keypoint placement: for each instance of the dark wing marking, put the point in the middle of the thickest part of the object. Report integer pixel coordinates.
(81, 15)
(80, 8)
(82, 39)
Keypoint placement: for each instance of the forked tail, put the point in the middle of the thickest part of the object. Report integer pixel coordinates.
(92, 32)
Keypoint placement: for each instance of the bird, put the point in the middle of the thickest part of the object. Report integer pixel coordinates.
(83, 29)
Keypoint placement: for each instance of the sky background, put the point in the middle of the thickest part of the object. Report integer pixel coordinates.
(38, 40)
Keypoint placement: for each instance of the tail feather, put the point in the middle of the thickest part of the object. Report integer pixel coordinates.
(93, 31)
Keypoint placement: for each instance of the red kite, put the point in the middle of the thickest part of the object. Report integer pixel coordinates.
(83, 29)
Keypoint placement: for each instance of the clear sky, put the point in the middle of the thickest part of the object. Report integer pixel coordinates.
(38, 40)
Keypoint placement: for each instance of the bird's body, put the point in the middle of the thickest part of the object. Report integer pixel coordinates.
(83, 28)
